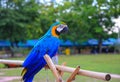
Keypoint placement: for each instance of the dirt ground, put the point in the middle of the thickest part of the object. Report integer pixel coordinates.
(8, 78)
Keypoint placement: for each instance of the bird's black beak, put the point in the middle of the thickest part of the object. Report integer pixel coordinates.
(65, 30)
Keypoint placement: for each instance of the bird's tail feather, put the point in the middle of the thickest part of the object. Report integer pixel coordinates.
(23, 73)
(29, 71)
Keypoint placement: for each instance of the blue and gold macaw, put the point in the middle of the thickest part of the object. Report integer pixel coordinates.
(48, 44)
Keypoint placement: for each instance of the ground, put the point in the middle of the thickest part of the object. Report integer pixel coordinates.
(4, 78)
(101, 63)
(8, 78)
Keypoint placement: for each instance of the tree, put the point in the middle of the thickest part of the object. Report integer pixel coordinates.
(102, 18)
(17, 19)
(90, 19)
(26, 19)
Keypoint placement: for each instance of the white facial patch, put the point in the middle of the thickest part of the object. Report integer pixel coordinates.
(60, 28)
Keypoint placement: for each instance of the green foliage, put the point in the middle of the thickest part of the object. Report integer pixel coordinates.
(21, 20)
(17, 17)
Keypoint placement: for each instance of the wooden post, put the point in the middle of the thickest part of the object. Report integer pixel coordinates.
(52, 68)
(72, 77)
(61, 72)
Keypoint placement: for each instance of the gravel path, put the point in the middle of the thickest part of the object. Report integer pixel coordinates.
(1, 73)
(8, 78)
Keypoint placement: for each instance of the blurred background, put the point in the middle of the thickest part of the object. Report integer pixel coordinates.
(94, 25)
(93, 40)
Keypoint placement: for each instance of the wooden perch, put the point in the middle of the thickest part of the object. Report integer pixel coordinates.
(72, 77)
(52, 68)
(97, 75)
(17, 62)
(92, 74)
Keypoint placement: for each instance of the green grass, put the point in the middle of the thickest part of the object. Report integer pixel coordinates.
(101, 63)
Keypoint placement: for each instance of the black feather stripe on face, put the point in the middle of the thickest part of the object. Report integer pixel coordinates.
(58, 33)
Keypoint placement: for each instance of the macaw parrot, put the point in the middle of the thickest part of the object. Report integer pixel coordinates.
(48, 44)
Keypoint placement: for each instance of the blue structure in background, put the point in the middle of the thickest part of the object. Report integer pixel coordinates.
(28, 43)
(93, 42)
(4, 43)
(117, 43)
(90, 43)
(67, 43)
(109, 42)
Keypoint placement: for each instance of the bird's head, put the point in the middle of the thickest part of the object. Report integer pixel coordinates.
(58, 28)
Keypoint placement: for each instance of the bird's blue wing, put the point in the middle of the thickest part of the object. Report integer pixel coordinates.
(33, 57)
(35, 60)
